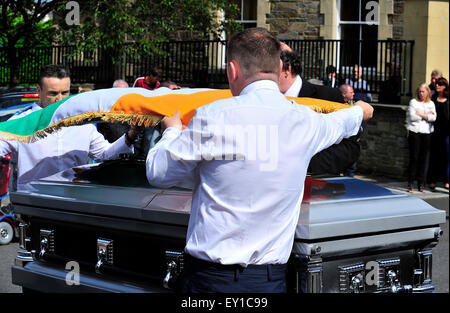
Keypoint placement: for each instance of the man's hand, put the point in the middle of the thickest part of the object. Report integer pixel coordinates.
(367, 109)
(132, 134)
(173, 121)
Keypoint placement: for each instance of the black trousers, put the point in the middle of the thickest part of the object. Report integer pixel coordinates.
(206, 277)
(419, 148)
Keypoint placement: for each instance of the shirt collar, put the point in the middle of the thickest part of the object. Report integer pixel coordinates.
(36, 106)
(260, 84)
(294, 90)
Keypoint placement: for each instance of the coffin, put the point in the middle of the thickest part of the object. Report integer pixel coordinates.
(107, 225)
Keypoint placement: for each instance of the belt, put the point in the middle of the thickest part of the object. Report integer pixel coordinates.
(273, 271)
(203, 263)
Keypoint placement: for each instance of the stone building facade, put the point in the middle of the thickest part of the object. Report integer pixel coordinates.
(424, 21)
(384, 145)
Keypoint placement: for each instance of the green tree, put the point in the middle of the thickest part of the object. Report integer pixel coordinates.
(23, 26)
(136, 27)
(132, 27)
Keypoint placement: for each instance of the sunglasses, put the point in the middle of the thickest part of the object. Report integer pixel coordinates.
(440, 84)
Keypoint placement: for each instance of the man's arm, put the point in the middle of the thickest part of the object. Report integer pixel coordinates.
(172, 161)
(344, 123)
(100, 149)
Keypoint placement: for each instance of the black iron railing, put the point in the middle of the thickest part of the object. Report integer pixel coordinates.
(386, 64)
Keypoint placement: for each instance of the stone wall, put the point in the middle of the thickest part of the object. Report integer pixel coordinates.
(384, 144)
(397, 19)
(293, 19)
(301, 19)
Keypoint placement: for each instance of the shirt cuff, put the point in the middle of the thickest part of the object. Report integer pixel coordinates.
(170, 133)
(120, 146)
(358, 113)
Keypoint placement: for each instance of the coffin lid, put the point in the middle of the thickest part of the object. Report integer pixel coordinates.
(332, 207)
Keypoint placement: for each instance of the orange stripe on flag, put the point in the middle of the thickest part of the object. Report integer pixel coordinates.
(168, 104)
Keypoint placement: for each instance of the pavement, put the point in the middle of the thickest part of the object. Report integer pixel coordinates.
(401, 186)
(438, 199)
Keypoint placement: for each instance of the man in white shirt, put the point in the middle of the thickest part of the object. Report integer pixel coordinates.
(66, 148)
(245, 159)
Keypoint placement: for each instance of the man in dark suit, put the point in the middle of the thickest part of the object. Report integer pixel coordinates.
(339, 157)
(331, 79)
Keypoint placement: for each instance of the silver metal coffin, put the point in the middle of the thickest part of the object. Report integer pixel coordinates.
(352, 236)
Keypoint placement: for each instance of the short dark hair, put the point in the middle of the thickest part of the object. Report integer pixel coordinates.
(53, 70)
(155, 71)
(256, 50)
(293, 59)
(330, 69)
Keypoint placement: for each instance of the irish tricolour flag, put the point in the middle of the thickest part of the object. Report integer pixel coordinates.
(126, 105)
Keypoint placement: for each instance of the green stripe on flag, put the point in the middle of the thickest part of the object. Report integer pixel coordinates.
(33, 122)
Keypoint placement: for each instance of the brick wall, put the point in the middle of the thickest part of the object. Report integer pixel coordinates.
(384, 145)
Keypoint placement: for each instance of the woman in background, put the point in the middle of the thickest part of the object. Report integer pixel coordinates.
(439, 167)
(421, 115)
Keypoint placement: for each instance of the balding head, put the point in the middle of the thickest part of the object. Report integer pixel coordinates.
(120, 84)
(347, 92)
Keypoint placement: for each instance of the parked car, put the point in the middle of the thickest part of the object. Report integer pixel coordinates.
(15, 99)
(113, 231)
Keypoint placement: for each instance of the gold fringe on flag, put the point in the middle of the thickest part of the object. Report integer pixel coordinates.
(146, 120)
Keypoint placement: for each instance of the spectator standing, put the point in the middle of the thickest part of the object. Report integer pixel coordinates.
(360, 85)
(420, 116)
(439, 160)
(150, 81)
(435, 74)
(331, 79)
(390, 88)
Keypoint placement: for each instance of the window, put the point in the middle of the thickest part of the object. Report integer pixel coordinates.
(247, 13)
(357, 24)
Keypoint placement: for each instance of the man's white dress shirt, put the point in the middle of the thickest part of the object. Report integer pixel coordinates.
(246, 159)
(295, 88)
(66, 148)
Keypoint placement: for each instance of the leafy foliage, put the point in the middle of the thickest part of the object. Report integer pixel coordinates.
(114, 24)
(23, 23)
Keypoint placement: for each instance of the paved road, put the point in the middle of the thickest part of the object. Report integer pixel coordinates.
(438, 199)
(7, 254)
